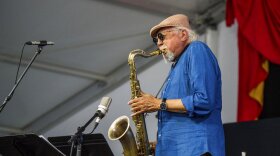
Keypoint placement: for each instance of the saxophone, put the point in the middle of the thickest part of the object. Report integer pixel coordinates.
(120, 128)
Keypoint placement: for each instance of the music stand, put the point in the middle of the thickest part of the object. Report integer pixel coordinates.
(27, 145)
(93, 145)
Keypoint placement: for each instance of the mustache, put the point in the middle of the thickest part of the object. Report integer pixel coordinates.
(164, 48)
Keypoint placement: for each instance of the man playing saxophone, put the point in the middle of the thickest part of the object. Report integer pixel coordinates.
(189, 110)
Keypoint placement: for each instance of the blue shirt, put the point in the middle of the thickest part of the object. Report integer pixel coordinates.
(195, 78)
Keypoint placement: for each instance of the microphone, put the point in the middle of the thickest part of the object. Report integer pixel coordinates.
(102, 108)
(40, 43)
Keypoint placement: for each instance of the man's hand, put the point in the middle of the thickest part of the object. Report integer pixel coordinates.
(144, 104)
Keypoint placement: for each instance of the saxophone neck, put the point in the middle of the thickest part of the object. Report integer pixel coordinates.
(142, 53)
(156, 52)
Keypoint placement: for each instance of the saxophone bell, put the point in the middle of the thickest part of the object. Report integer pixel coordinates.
(120, 130)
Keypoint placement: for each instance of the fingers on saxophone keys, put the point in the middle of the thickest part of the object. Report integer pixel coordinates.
(137, 112)
(130, 102)
(134, 114)
(135, 105)
(133, 101)
(135, 109)
(138, 109)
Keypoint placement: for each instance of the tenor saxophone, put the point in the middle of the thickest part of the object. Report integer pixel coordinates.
(120, 128)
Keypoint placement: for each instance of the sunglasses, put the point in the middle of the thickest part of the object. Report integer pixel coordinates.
(159, 36)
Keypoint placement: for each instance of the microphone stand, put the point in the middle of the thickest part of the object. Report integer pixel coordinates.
(77, 139)
(8, 98)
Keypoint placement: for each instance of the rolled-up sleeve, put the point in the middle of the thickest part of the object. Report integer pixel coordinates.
(200, 71)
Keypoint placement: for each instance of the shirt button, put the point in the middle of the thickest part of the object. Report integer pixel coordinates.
(159, 120)
(159, 135)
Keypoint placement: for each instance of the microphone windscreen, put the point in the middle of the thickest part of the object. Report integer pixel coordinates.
(105, 103)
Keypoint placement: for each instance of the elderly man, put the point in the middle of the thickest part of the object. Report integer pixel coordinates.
(189, 111)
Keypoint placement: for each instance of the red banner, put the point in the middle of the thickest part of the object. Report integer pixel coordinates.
(258, 41)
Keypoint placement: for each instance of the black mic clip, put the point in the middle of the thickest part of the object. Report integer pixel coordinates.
(100, 114)
(40, 43)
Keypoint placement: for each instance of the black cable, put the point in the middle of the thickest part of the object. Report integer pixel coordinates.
(95, 125)
(161, 86)
(19, 63)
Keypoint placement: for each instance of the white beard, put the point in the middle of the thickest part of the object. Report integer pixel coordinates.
(169, 56)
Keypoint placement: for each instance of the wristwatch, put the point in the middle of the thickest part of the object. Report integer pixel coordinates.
(163, 105)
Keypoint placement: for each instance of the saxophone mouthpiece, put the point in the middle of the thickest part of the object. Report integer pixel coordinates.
(156, 52)
(163, 51)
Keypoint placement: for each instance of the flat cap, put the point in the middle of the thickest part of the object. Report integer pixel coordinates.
(178, 20)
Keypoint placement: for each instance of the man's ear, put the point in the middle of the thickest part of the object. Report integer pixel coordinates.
(185, 35)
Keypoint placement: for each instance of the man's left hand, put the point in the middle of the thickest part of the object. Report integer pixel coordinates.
(144, 104)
